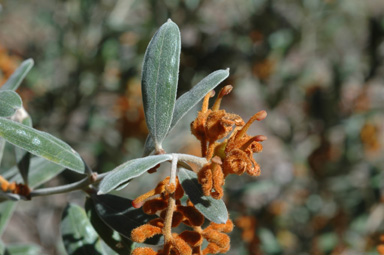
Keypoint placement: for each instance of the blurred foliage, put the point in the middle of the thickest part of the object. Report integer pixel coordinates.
(315, 66)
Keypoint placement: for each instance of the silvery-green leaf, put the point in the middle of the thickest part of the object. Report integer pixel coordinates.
(77, 233)
(213, 209)
(119, 214)
(41, 144)
(23, 249)
(189, 99)
(10, 101)
(18, 76)
(40, 172)
(6, 211)
(112, 238)
(130, 170)
(159, 80)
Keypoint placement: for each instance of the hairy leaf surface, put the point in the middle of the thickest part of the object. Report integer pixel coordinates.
(159, 80)
(130, 170)
(41, 144)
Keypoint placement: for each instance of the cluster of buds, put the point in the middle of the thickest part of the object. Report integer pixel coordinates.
(14, 188)
(234, 155)
(159, 202)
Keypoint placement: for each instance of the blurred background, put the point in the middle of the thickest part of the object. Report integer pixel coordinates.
(316, 66)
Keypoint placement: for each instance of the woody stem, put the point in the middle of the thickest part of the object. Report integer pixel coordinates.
(167, 230)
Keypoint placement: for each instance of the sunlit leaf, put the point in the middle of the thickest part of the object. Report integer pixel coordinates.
(189, 99)
(160, 78)
(213, 209)
(6, 211)
(18, 76)
(119, 214)
(10, 101)
(78, 235)
(130, 170)
(41, 144)
(112, 238)
(23, 249)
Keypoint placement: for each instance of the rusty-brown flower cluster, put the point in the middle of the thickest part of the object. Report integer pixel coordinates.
(234, 155)
(189, 242)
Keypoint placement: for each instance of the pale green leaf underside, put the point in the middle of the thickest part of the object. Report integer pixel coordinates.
(10, 101)
(189, 99)
(18, 76)
(78, 235)
(6, 211)
(130, 170)
(213, 209)
(159, 79)
(41, 144)
(40, 172)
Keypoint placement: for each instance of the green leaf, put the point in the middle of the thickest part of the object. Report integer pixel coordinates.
(159, 80)
(41, 172)
(10, 101)
(112, 238)
(2, 146)
(23, 163)
(213, 209)
(130, 170)
(23, 249)
(119, 214)
(18, 76)
(78, 235)
(6, 211)
(189, 99)
(41, 144)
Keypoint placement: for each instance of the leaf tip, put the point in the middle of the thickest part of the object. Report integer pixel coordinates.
(30, 61)
(100, 192)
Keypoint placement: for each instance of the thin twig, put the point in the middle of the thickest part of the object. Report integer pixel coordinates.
(68, 187)
(167, 229)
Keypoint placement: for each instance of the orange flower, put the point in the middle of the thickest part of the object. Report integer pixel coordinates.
(213, 124)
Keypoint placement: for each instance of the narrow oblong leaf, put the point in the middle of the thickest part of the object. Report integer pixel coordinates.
(23, 249)
(41, 144)
(10, 101)
(130, 170)
(189, 99)
(119, 214)
(78, 235)
(112, 238)
(213, 209)
(18, 76)
(6, 211)
(159, 80)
